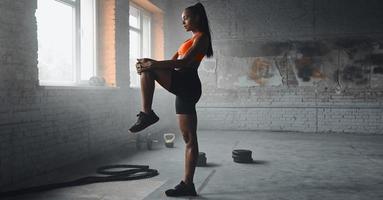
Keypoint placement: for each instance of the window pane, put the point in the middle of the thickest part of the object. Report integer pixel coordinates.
(88, 48)
(146, 36)
(134, 53)
(55, 29)
(134, 17)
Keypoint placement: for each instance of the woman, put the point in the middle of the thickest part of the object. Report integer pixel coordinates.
(180, 77)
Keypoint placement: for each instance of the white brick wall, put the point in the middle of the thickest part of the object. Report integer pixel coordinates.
(292, 109)
(45, 128)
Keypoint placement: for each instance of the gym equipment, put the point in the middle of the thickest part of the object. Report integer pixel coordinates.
(147, 139)
(201, 159)
(137, 172)
(169, 139)
(242, 156)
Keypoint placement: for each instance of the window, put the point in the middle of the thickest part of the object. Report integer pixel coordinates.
(140, 40)
(66, 32)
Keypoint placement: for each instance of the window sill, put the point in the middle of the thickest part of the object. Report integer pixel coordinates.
(79, 87)
(139, 88)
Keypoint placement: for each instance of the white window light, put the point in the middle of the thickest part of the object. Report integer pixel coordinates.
(66, 32)
(140, 39)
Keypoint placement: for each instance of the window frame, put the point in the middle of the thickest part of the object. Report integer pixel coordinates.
(140, 31)
(76, 5)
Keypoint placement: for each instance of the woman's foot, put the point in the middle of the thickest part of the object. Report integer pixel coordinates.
(182, 189)
(144, 120)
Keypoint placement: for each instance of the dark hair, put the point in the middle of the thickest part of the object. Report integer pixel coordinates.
(203, 24)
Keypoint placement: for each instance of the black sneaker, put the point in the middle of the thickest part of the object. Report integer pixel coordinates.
(144, 120)
(182, 190)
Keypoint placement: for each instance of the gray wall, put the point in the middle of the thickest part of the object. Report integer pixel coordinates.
(263, 51)
(297, 65)
(44, 128)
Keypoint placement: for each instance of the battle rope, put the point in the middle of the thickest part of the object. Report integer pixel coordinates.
(137, 172)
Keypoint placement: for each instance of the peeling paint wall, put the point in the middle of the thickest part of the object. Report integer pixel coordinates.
(297, 65)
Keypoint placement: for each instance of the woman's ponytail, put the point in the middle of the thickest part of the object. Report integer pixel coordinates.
(199, 9)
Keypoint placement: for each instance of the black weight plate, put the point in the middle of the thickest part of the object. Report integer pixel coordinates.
(243, 160)
(241, 157)
(241, 152)
(169, 145)
(201, 161)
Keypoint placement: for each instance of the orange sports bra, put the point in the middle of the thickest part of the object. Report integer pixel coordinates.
(184, 48)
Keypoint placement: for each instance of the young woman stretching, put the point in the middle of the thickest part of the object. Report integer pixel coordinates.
(180, 77)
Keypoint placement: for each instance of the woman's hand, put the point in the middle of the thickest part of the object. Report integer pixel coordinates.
(144, 64)
(144, 59)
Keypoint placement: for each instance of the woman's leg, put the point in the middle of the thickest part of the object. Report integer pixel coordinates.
(163, 77)
(188, 126)
(147, 117)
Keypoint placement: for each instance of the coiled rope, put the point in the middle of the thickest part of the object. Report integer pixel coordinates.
(133, 172)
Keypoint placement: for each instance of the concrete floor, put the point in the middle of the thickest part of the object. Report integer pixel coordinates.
(287, 166)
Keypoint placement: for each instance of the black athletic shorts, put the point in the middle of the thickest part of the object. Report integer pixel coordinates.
(186, 85)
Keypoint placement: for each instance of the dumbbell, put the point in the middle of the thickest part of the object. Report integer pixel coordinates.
(242, 156)
(201, 159)
(145, 139)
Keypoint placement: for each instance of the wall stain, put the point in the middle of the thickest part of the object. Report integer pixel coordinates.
(307, 69)
(355, 74)
(352, 46)
(376, 59)
(378, 70)
(275, 48)
(312, 48)
(346, 62)
(260, 71)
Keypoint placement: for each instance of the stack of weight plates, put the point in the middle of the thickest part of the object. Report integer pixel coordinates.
(201, 159)
(242, 156)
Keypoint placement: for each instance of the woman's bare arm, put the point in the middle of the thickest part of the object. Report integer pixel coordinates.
(200, 45)
(175, 56)
(142, 60)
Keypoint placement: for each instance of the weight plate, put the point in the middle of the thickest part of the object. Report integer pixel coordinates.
(242, 160)
(169, 145)
(241, 157)
(241, 152)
